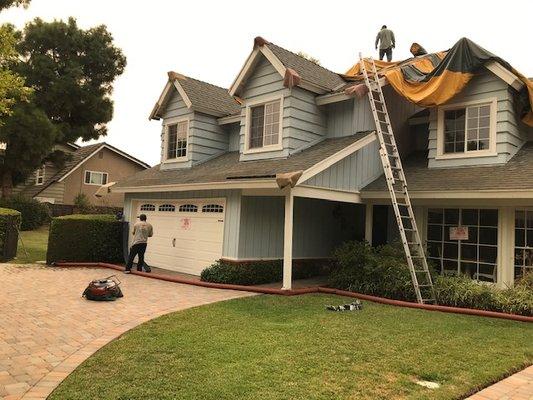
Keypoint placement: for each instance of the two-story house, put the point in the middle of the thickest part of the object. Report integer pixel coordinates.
(284, 165)
(87, 168)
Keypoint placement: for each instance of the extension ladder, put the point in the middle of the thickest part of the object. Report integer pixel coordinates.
(397, 185)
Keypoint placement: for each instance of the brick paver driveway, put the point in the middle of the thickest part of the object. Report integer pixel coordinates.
(47, 329)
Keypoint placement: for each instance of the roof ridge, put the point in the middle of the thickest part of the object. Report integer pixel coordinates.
(303, 58)
(178, 75)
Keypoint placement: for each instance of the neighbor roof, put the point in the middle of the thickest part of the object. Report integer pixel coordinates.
(227, 167)
(516, 174)
(76, 159)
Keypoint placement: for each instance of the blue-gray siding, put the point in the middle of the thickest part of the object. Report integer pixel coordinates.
(319, 226)
(206, 137)
(353, 172)
(510, 132)
(231, 218)
(304, 123)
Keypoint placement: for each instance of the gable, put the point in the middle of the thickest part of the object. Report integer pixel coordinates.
(263, 79)
(175, 105)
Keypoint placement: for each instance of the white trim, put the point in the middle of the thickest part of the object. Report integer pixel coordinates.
(230, 119)
(245, 70)
(160, 101)
(287, 240)
(332, 98)
(262, 192)
(104, 146)
(504, 74)
(455, 194)
(369, 221)
(490, 152)
(338, 156)
(315, 192)
(95, 172)
(182, 93)
(42, 176)
(229, 184)
(176, 121)
(263, 100)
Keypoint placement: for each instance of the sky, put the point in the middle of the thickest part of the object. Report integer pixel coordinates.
(210, 40)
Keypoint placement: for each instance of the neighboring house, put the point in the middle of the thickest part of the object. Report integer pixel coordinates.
(285, 165)
(88, 168)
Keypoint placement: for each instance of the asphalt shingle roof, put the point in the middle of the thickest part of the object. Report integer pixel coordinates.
(516, 174)
(206, 95)
(227, 166)
(307, 70)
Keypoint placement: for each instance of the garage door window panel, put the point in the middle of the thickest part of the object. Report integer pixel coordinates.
(167, 208)
(147, 207)
(212, 208)
(188, 208)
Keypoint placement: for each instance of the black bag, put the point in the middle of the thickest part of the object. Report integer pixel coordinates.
(107, 289)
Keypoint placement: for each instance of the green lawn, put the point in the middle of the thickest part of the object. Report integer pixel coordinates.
(273, 347)
(35, 243)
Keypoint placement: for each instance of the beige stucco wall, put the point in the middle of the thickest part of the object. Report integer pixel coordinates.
(116, 166)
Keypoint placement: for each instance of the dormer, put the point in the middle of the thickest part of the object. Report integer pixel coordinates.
(190, 110)
(279, 114)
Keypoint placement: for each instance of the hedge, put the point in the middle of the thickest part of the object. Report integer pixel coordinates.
(383, 272)
(34, 214)
(9, 219)
(461, 291)
(259, 272)
(85, 238)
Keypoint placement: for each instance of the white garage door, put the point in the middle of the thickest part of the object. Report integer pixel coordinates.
(188, 234)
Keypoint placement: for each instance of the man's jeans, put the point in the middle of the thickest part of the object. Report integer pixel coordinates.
(136, 250)
(387, 51)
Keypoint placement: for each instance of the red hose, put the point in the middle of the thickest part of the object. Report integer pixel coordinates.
(316, 289)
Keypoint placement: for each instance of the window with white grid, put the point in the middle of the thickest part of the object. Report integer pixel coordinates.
(39, 175)
(213, 208)
(523, 238)
(177, 139)
(467, 129)
(95, 178)
(265, 125)
(167, 208)
(188, 208)
(147, 207)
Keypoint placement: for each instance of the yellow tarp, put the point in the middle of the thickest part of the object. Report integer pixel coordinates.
(433, 79)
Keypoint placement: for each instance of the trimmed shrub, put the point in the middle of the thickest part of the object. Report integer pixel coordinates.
(85, 238)
(258, 272)
(34, 214)
(379, 271)
(9, 222)
(464, 292)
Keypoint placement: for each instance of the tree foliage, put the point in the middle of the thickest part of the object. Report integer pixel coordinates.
(72, 71)
(11, 3)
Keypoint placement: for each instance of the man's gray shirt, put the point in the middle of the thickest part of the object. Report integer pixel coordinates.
(141, 232)
(385, 38)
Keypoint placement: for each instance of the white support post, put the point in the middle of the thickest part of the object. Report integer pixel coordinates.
(369, 216)
(287, 241)
(505, 275)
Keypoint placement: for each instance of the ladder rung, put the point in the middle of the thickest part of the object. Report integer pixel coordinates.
(413, 243)
(405, 216)
(425, 285)
(416, 256)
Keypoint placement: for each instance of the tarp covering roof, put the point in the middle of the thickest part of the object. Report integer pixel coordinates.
(433, 79)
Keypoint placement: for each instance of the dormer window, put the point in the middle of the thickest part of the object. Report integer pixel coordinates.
(264, 126)
(467, 130)
(177, 133)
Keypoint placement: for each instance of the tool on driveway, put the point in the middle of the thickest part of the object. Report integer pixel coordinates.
(107, 289)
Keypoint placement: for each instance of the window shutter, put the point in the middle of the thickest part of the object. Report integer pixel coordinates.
(104, 178)
(87, 176)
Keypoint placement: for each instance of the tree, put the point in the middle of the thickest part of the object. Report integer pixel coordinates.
(10, 3)
(72, 72)
(308, 57)
(26, 132)
(12, 87)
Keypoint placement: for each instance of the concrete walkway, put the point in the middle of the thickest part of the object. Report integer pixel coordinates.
(47, 329)
(516, 387)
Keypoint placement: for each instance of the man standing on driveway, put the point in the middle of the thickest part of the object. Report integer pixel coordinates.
(386, 41)
(142, 230)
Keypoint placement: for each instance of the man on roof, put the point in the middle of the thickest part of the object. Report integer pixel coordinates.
(386, 41)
